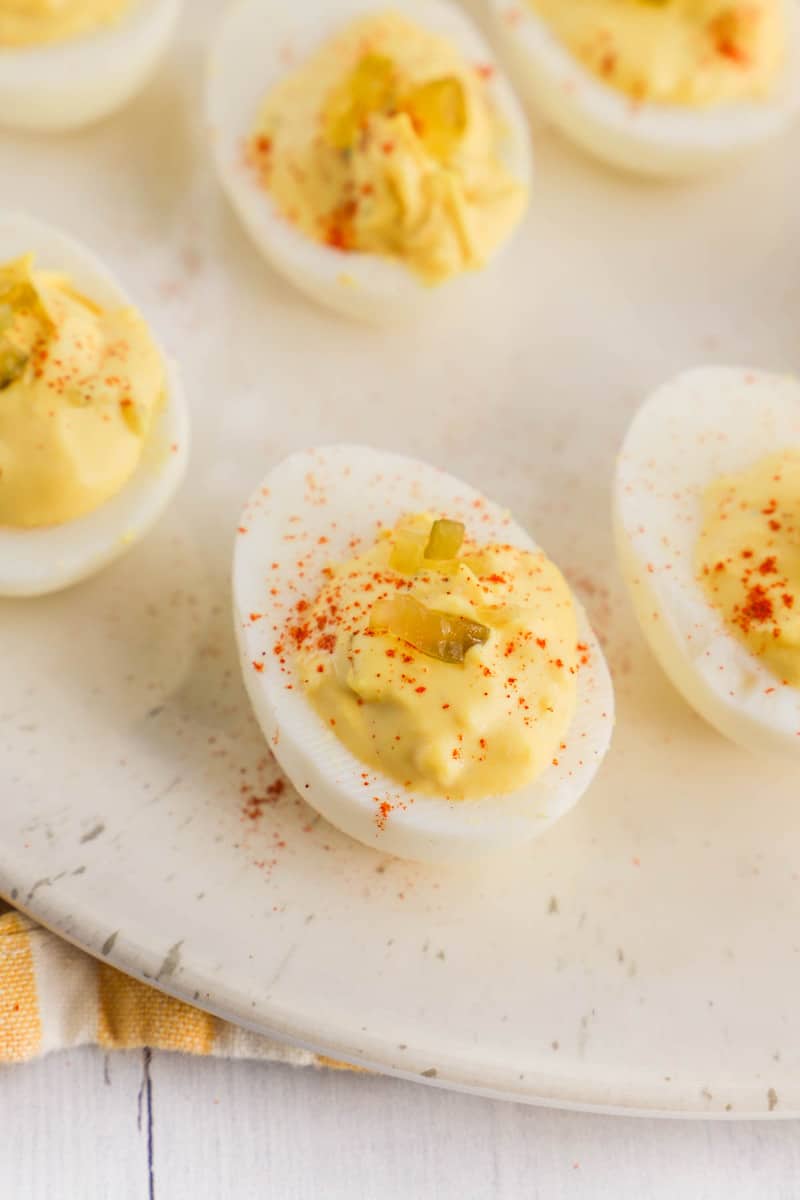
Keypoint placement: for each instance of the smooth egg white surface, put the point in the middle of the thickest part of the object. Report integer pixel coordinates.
(702, 425)
(311, 506)
(653, 139)
(68, 84)
(36, 561)
(261, 41)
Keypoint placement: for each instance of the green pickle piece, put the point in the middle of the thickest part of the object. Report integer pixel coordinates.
(438, 111)
(446, 539)
(367, 89)
(445, 636)
(408, 551)
(12, 360)
(13, 357)
(18, 297)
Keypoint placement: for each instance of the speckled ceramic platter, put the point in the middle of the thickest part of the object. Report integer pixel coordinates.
(644, 954)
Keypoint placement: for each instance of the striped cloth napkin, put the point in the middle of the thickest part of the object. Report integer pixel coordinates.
(54, 997)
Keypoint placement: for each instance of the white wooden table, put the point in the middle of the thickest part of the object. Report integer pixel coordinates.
(87, 1126)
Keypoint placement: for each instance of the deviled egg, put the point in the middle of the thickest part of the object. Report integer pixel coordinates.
(371, 154)
(67, 63)
(667, 88)
(94, 429)
(420, 668)
(708, 530)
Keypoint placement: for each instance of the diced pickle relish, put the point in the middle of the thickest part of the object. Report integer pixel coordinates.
(441, 635)
(408, 551)
(446, 539)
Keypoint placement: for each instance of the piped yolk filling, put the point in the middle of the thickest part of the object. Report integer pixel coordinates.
(455, 676)
(386, 142)
(80, 388)
(695, 53)
(42, 22)
(748, 559)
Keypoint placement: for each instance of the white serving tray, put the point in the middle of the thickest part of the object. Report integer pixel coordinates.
(645, 954)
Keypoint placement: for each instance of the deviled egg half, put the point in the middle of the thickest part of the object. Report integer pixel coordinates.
(372, 154)
(94, 429)
(708, 530)
(66, 63)
(667, 88)
(420, 668)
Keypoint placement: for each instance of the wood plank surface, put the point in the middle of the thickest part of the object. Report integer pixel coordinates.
(84, 1126)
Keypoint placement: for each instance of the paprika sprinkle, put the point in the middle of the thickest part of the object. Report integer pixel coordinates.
(748, 559)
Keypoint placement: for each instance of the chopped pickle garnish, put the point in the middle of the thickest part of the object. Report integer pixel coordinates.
(408, 551)
(437, 109)
(438, 112)
(12, 360)
(445, 636)
(367, 89)
(445, 540)
(21, 309)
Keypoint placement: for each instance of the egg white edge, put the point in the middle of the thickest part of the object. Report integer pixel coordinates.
(65, 85)
(714, 663)
(645, 137)
(347, 281)
(124, 519)
(427, 829)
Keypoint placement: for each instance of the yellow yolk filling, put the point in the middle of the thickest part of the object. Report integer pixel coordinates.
(80, 388)
(685, 52)
(748, 559)
(483, 726)
(386, 142)
(39, 22)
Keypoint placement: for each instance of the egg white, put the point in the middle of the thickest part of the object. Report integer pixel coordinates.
(250, 56)
(68, 84)
(336, 493)
(36, 561)
(653, 139)
(704, 424)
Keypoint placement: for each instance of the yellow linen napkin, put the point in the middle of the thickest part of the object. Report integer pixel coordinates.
(54, 997)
